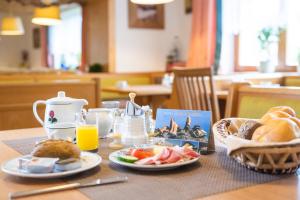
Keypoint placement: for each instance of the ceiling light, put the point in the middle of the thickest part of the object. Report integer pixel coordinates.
(47, 16)
(147, 2)
(12, 26)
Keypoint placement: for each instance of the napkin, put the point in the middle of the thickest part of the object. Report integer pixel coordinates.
(234, 143)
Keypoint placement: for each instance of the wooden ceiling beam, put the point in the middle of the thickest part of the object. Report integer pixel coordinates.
(40, 3)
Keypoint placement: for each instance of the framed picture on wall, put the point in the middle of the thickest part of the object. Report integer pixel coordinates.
(146, 16)
(188, 6)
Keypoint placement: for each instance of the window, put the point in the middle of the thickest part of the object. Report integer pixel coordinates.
(246, 19)
(293, 32)
(256, 16)
(65, 39)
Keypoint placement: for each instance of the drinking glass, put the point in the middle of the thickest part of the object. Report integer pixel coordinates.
(87, 137)
(86, 134)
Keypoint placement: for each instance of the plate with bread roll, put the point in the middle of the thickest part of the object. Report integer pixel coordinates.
(270, 144)
(52, 159)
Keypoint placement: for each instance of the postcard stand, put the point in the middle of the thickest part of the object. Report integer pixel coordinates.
(185, 128)
(211, 143)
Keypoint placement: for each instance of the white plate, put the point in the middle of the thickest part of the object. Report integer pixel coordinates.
(88, 161)
(113, 157)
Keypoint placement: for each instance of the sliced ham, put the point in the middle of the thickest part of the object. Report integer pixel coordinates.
(186, 152)
(145, 161)
(169, 155)
(191, 153)
(156, 159)
(173, 158)
(164, 154)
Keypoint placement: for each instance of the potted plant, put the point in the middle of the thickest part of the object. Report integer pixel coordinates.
(96, 67)
(266, 37)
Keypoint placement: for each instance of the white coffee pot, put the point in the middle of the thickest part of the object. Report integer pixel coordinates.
(59, 114)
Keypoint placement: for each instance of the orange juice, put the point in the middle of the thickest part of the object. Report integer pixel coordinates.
(87, 137)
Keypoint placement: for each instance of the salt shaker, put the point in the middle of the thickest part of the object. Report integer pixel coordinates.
(148, 118)
(134, 124)
(117, 130)
(118, 121)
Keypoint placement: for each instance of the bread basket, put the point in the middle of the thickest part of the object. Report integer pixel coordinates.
(277, 158)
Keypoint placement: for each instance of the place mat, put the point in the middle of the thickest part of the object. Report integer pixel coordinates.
(216, 173)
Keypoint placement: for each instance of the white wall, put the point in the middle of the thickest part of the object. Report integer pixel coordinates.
(12, 46)
(146, 49)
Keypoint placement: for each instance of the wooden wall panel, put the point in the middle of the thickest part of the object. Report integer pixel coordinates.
(16, 100)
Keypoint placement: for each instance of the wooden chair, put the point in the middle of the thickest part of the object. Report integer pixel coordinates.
(252, 101)
(195, 90)
(291, 80)
(285, 68)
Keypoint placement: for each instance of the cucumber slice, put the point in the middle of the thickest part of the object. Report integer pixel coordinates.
(128, 159)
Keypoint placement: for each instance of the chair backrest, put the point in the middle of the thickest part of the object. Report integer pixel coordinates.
(195, 90)
(251, 101)
(291, 81)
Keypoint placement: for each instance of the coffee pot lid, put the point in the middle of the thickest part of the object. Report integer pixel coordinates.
(133, 109)
(61, 99)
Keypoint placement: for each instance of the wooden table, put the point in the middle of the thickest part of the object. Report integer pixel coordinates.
(153, 90)
(288, 188)
(142, 90)
(154, 94)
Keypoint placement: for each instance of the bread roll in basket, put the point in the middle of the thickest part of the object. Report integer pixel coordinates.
(271, 157)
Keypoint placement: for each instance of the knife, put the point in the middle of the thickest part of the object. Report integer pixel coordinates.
(14, 195)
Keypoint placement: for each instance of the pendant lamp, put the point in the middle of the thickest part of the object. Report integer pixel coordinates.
(147, 2)
(12, 26)
(47, 16)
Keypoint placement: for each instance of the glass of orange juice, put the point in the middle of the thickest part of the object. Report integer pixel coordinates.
(86, 135)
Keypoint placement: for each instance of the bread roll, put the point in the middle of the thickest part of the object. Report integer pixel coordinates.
(277, 130)
(273, 115)
(61, 149)
(296, 120)
(247, 129)
(235, 125)
(285, 109)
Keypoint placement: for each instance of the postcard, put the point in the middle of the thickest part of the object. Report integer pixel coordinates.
(183, 127)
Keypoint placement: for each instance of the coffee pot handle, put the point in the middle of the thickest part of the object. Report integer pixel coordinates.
(35, 104)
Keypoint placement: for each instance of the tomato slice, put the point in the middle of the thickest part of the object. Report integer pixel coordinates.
(142, 153)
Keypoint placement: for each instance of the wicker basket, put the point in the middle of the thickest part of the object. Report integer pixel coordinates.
(272, 159)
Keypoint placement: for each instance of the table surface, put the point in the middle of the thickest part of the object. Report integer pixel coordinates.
(152, 90)
(288, 188)
(141, 90)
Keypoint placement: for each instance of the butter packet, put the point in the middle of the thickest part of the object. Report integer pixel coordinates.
(37, 165)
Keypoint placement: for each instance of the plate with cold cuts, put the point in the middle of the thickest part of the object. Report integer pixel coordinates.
(154, 158)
